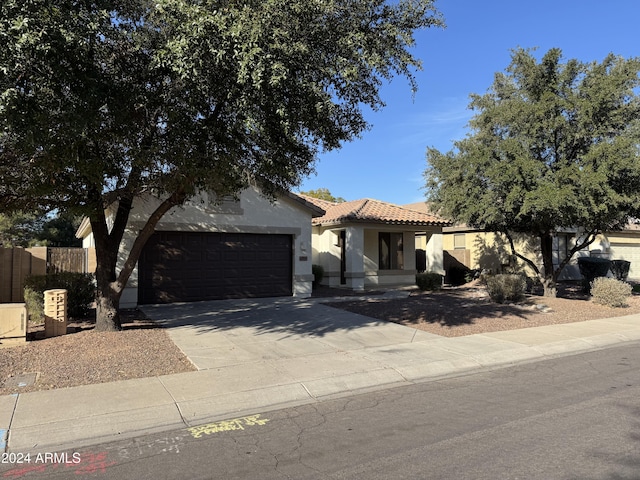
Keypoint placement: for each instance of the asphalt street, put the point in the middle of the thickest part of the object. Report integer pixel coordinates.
(575, 417)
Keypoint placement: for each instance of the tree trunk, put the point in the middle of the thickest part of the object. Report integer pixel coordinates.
(550, 288)
(107, 246)
(107, 293)
(108, 312)
(109, 283)
(549, 280)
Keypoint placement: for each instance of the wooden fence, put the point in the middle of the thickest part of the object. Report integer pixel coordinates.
(17, 263)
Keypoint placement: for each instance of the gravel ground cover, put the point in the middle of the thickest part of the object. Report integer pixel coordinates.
(467, 310)
(143, 349)
(85, 357)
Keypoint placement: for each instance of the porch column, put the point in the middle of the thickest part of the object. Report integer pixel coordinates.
(435, 261)
(354, 256)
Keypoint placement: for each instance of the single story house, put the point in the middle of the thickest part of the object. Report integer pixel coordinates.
(477, 249)
(466, 247)
(368, 243)
(621, 245)
(208, 250)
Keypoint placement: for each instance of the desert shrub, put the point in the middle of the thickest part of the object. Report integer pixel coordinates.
(80, 287)
(483, 275)
(620, 269)
(610, 292)
(592, 268)
(318, 274)
(506, 287)
(429, 281)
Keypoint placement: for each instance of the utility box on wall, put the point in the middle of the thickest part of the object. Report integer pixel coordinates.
(13, 323)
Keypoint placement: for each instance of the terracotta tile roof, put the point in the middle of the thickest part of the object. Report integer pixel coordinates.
(423, 207)
(368, 210)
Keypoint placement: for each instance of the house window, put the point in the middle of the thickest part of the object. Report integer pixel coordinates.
(560, 248)
(391, 251)
(459, 241)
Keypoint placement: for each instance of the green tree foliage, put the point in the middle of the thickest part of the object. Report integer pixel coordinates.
(104, 101)
(60, 231)
(552, 145)
(19, 229)
(324, 194)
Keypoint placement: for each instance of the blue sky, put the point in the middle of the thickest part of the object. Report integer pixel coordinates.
(388, 161)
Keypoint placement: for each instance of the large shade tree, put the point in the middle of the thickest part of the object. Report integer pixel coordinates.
(552, 145)
(19, 229)
(103, 101)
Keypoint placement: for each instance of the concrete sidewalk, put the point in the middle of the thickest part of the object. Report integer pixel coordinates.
(260, 355)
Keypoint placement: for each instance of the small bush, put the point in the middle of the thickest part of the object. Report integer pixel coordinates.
(429, 281)
(80, 287)
(610, 292)
(506, 287)
(620, 269)
(318, 274)
(592, 268)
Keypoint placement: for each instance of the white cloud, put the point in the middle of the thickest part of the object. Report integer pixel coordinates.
(438, 127)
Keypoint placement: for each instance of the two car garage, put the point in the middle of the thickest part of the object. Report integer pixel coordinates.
(191, 266)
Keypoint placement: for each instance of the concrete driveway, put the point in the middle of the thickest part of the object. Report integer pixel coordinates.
(234, 332)
(270, 351)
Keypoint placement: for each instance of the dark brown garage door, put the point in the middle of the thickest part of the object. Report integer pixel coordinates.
(188, 266)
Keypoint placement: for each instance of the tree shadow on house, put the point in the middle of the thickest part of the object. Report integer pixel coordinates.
(496, 257)
(456, 272)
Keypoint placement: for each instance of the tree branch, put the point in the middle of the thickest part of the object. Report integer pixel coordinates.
(533, 266)
(176, 198)
(589, 239)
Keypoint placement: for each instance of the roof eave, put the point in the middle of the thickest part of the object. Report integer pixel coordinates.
(316, 211)
(343, 222)
(84, 229)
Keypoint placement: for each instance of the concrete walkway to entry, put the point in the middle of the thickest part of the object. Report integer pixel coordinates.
(259, 355)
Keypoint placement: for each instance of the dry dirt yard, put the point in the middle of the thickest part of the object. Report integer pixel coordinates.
(143, 349)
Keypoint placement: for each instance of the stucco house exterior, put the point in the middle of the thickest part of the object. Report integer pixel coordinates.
(368, 243)
(476, 249)
(208, 250)
(621, 245)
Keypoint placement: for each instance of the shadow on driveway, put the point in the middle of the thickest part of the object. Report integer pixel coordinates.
(271, 315)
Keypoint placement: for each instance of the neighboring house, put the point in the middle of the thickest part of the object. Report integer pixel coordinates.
(365, 243)
(466, 247)
(208, 250)
(474, 249)
(622, 245)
